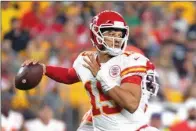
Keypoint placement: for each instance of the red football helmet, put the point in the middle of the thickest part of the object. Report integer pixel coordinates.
(108, 20)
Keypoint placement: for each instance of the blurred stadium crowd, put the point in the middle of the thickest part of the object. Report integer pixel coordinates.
(56, 32)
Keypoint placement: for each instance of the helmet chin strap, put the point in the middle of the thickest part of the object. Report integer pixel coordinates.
(114, 51)
(111, 50)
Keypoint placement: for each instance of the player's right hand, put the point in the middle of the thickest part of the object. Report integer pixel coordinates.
(91, 64)
(34, 62)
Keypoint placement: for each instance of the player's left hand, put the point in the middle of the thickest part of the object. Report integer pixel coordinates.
(92, 64)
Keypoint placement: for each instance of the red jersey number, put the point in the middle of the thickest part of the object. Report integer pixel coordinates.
(101, 98)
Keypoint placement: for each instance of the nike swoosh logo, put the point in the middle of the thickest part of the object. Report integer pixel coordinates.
(136, 58)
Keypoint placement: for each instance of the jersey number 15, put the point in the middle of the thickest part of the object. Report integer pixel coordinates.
(103, 99)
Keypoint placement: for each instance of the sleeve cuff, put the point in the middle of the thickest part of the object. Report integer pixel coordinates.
(132, 79)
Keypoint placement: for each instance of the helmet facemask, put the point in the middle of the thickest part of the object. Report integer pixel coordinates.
(100, 38)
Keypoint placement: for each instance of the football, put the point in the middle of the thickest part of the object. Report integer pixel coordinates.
(28, 76)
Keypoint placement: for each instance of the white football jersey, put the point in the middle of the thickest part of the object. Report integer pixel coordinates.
(13, 122)
(107, 115)
(37, 125)
(86, 123)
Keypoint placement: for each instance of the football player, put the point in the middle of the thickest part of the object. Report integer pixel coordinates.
(118, 83)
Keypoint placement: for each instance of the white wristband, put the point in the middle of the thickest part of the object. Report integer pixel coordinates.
(107, 84)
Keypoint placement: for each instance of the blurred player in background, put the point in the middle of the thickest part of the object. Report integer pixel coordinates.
(189, 124)
(119, 83)
(44, 121)
(10, 120)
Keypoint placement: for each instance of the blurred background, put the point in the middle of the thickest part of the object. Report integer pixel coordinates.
(56, 32)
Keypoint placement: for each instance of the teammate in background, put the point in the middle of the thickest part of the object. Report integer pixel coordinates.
(119, 83)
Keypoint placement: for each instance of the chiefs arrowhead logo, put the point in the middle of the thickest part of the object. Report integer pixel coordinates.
(114, 71)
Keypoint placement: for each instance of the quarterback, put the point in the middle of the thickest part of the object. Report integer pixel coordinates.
(118, 83)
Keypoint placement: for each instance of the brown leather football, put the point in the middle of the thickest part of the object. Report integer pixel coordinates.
(28, 77)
